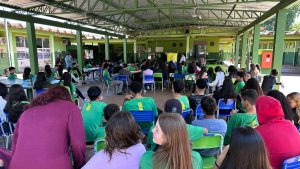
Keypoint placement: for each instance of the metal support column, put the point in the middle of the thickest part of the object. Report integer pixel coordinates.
(244, 49)
(31, 36)
(237, 51)
(187, 48)
(134, 51)
(106, 47)
(279, 41)
(255, 46)
(79, 49)
(125, 50)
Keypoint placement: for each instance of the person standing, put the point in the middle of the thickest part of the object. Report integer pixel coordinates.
(69, 61)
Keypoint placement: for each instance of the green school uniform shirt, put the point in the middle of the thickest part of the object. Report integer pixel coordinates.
(88, 66)
(100, 133)
(145, 103)
(185, 104)
(147, 160)
(131, 68)
(92, 115)
(237, 120)
(195, 133)
(106, 74)
(12, 76)
(238, 87)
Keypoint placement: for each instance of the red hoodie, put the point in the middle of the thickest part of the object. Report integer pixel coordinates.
(281, 136)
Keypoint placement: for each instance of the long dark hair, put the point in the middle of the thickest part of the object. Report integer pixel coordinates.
(40, 81)
(52, 94)
(15, 102)
(247, 150)
(176, 152)
(122, 132)
(252, 83)
(26, 73)
(227, 92)
(48, 71)
(67, 79)
(288, 113)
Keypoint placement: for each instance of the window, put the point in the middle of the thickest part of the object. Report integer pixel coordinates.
(21, 41)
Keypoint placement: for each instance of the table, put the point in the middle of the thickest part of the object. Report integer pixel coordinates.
(92, 70)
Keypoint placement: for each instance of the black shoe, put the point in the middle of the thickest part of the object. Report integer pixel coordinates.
(120, 93)
(83, 82)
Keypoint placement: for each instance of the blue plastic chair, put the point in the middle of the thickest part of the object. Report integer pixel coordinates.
(291, 163)
(225, 108)
(186, 112)
(199, 113)
(124, 79)
(149, 78)
(178, 76)
(142, 117)
(40, 91)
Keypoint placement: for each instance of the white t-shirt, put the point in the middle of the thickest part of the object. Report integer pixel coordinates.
(2, 105)
(182, 59)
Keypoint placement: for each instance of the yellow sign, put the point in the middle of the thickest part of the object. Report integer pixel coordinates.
(172, 57)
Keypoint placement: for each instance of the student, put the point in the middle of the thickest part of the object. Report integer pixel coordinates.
(16, 102)
(58, 71)
(109, 80)
(47, 131)
(75, 70)
(294, 103)
(41, 82)
(254, 71)
(177, 88)
(288, 112)
(226, 92)
(92, 114)
(239, 82)
(280, 136)
(252, 83)
(27, 74)
(174, 106)
(213, 125)
(220, 76)
(123, 145)
(195, 99)
(247, 76)
(12, 73)
(3, 93)
(174, 151)
(66, 80)
(246, 151)
(249, 118)
(269, 81)
(88, 65)
(135, 100)
(48, 73)
(126, 71)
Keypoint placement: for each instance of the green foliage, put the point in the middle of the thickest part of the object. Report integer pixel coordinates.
(295, 27)
(291, 13)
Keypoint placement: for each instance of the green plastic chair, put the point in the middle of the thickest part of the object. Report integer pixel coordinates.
(99, 144)
(160, 81)
(211, 140)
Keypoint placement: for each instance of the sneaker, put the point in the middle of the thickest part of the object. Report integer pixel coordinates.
(120, 93)
(145, 91)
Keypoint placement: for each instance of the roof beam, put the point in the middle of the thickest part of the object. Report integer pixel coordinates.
(268, 14)
(28, 18)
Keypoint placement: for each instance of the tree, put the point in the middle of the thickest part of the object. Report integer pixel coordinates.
(295, 27)
(291, 13)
